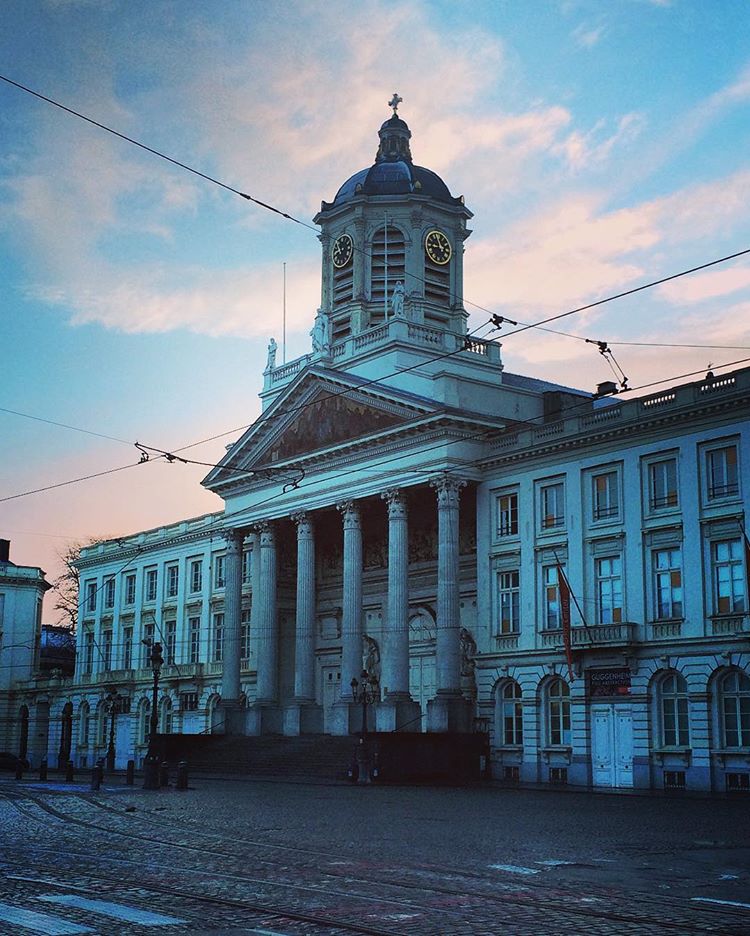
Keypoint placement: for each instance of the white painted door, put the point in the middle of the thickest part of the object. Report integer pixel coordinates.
(422, 683)
(331, 678)
(612, 745)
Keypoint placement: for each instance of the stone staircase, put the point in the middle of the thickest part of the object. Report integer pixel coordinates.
(320, 756)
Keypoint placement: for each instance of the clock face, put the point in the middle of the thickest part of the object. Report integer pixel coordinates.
(343, 247)
(438, 247)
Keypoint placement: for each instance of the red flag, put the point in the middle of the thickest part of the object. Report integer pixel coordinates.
(564, 590)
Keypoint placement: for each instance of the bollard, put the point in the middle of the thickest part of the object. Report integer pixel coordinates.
(43, 769)
(19, 770)
(96, 777)
(182, 776)
(164, 774)
(69, 772)
(130, 773)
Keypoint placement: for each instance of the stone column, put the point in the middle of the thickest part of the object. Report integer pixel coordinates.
(267, 619)
(230, 680)
(449, 711)
(303, 715)
(397, 709)
(351, 625)
(304, 651)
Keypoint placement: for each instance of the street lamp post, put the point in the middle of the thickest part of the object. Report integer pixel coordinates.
(113, 706)
(364, 691)
(151, 764)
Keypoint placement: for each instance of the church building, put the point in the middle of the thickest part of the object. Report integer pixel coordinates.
(485, 550)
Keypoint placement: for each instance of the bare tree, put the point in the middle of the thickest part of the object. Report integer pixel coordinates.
(66, 587)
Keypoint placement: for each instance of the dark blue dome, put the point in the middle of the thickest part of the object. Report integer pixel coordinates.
(393, 172)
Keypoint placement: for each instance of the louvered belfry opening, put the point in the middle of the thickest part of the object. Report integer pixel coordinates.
(394, 247)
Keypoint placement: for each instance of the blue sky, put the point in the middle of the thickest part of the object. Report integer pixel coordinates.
(599, 145)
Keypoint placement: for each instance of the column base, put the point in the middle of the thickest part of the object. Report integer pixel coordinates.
(346, 718)
(303, 717)
(450, 711)
(394, 714)
(264, 718)
(231, 718)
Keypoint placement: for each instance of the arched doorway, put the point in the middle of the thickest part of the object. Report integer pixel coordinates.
(23, 732)
(66, 735)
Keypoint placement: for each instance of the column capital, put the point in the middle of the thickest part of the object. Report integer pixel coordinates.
(396, 500)
(234, 538)
(350, 514)
(447, 488)
(303, 521)
(266, 529)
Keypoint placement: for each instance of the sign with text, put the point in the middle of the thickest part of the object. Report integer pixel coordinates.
(609, 682)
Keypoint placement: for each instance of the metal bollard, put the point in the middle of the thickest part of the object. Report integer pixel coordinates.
(19, 770)
(96, 777)
(130, 773)
(164, 774)
(43, 769)
(182, 776)
(69, 775)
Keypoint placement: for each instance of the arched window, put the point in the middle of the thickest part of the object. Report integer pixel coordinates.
(84, 722)
(387, 266)
(508, 714)
(558, 712)
(734, 696)
(165, 716)
(144, 717)
(673, 709)
(101, 725)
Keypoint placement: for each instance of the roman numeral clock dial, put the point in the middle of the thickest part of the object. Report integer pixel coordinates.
(342, 251)
(438, 247)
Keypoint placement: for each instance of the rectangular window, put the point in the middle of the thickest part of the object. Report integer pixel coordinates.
(189, 702)
(107, 650)
(173, 580)
(194, 638)
(247, 566)
(90, 597)
(728, 576)
(675, 715)
(667, 583)
(508, 602)
(170, 642)
(88, 652)
(109, 593)
(507, 515)
(218, 647)
(150, 584)
(219, 564)
(606, 500)
(721, 471)
(552, 619)
(196, 576)
(148, 637)
(245, 636)
(552, 506)
(130, 589)
(662, 484)
(608, 571)
(127, 647)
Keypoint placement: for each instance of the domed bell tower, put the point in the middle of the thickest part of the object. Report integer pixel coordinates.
(393, 244)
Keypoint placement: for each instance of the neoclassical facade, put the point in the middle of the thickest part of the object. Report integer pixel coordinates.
(406, 506)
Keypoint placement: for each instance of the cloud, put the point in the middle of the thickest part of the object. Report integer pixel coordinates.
(709, 285)
(587, 36)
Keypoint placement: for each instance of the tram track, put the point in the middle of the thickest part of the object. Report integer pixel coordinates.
(471, 899)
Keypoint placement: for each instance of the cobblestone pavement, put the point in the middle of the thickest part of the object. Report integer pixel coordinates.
(283, 859)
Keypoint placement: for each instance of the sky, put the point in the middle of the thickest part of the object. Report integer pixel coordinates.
(600, 146)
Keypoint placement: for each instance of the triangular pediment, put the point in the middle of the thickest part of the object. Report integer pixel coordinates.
(319, 413)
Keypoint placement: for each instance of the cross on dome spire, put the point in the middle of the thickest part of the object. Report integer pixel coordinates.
(395, 101)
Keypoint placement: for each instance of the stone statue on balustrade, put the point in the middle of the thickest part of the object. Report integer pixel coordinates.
(321, 341)
(397, 300)
(271, 360)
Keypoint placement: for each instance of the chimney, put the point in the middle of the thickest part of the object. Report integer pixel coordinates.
(4, 550)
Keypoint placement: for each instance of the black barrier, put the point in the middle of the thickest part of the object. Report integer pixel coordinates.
(43, 769)
(164, 774)
(69, 772)
(182, 776)
(96, 776)
(130, 773)
(19, 771)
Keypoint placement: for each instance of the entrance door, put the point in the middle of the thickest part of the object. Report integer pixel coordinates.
(331, 676)
(612, 745)
(422, 682)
